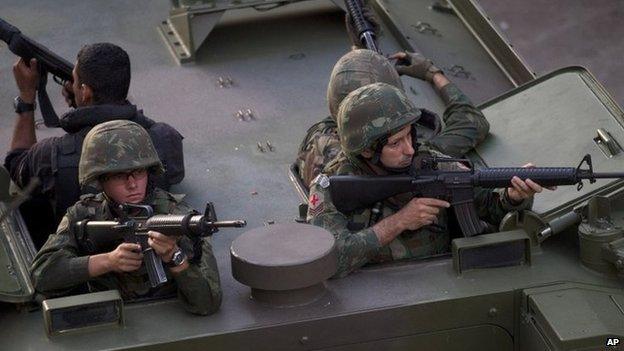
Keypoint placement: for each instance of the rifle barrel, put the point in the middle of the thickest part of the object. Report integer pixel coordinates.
(609, 175)
(229, 224)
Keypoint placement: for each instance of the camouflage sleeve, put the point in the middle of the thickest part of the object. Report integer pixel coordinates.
(57, 267)
(493, 205)
(199, 286)
(465, 126)
(355, 248)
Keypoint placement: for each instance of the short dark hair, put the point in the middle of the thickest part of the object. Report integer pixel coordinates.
(105, 68)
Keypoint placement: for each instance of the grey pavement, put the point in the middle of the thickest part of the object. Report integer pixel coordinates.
(551, 34)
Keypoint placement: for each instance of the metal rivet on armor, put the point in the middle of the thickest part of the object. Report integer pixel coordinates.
(493, 312)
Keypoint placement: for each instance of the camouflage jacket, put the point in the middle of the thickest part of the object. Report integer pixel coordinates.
(464, 128)
(357, 242)
(62, 265)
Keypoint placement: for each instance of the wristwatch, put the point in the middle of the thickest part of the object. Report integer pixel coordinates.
(177, 259)
(22, 106)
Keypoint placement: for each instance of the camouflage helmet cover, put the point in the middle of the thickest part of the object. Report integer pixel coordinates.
(116, 146)
(356, 69)
(371, 113)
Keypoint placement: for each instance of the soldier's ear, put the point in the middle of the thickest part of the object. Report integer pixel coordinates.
(367, 153)
(87, 94)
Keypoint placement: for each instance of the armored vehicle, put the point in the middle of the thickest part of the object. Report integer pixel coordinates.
(246, 79)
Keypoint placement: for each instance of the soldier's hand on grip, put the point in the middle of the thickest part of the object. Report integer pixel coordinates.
(127, 257)
(421, 211)
(68, 94)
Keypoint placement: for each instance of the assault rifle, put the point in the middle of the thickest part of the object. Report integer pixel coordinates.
(350, 193)
(103, 236)
(48, 62)
(365, 30)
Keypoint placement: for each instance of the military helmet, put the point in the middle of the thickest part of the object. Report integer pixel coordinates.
(356, 69)
(116, 146)
(371, 114)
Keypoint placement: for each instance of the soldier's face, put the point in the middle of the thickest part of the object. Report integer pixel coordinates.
(398, 151)
(126, 187)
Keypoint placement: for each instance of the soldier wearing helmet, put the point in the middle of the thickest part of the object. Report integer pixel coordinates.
(465, 125)
(119, 158)
(376, 126)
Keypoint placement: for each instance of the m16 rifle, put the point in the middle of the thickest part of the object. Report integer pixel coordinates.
(48, 62)
(365, 30)
(103, 236)
(350, 193)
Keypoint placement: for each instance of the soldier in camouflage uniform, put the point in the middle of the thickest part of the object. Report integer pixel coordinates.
(465, 126)
(119, 158)
(376, 128)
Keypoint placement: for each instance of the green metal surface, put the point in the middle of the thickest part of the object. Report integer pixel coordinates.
(279, 62)
(572, 316)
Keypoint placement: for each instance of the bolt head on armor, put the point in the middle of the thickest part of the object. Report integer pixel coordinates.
(116, 146)
(357, 69)
(372, 113)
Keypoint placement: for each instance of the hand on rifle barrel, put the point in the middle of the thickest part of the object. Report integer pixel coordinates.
(521, 190)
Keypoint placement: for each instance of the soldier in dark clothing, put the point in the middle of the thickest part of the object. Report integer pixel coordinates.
(101, 79)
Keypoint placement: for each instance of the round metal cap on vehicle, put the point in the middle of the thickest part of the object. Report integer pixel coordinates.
(284, 264)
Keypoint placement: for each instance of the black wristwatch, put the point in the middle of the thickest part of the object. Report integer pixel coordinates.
(177, 259)
(22, 106)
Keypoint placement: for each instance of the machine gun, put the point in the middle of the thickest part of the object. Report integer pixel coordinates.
(365, 30)
(48, 62)
(357, 192)
(103, 236)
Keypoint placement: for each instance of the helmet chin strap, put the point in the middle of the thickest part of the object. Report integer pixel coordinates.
(376, 159)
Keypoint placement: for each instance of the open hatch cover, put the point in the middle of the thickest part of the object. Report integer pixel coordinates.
(553, 121)
(16, 251)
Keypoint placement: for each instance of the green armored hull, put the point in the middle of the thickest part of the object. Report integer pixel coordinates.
(243, 98)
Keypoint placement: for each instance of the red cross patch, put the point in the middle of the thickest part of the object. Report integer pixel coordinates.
(315, 203)
(314, 199)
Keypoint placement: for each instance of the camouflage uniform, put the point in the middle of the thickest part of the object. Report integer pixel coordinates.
(386, 110)
(62, 264)
(465, 125)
